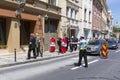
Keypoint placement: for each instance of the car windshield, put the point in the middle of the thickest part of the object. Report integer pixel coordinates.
(112, 41)
(96, 42)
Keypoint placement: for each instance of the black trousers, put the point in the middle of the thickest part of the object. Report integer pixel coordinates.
(75, 47)
(59, 48)
(29, 53)
(38, 51)
(82, 54)
(71, 47)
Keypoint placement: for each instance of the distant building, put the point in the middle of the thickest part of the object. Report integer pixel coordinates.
(97, 19)
(71, 17)
(87, 18)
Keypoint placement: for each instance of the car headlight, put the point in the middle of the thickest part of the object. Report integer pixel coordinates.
(113, 45)
(96, 47)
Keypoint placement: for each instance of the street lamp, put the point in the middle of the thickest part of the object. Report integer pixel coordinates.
(21, 7)
(39, 17)
(46, 17)
(17, 13)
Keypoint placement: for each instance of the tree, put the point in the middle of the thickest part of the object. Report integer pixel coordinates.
(116, 29)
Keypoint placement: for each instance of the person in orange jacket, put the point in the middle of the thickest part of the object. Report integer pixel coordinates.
(64, 45)
(52, 44)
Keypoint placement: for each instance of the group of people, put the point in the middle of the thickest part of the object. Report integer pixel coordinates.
(73, 45)
(34, 45)
(62, 43)
(73, 42)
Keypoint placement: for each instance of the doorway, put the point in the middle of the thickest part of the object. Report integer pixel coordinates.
(25, 30)
(2, 33)
(73, 32)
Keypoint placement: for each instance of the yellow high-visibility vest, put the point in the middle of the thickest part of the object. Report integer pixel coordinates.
(82, 44)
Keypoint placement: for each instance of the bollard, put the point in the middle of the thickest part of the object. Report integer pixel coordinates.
(15, 55)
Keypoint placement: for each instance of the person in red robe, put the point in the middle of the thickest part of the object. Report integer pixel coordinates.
(64, 45)
(52, 44)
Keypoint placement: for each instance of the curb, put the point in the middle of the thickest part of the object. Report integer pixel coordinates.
(36, 60)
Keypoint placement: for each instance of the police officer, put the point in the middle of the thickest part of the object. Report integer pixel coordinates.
(82, 52)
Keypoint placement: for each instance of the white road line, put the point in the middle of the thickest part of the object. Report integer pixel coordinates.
(117, 51)
(84, 64)
(75, 68)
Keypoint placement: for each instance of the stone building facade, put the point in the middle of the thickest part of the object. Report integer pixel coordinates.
(71, 18)
(18, 19)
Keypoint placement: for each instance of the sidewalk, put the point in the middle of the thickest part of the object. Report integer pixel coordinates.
(9, 59)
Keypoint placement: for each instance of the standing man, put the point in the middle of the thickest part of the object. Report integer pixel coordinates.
(82, 51)
(31, 46)
(38, 45)
(72, 40)
(75, 45)
(52, 44)
(67, 39)
(59, 43)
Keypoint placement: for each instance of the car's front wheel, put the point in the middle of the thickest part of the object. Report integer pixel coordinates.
(100, 53)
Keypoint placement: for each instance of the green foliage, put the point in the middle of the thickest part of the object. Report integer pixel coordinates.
(116, 29)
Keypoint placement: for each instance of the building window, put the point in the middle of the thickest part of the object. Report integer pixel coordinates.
(85, 14)
(67, 12)
(71, 13)
(51, 26)
(89, 16)
(77, 1)
(76, 15)
(53, 2)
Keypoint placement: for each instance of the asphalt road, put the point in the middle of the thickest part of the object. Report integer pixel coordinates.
(63, 69)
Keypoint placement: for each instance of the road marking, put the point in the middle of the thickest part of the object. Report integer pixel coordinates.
(117, 51)
(84, 64)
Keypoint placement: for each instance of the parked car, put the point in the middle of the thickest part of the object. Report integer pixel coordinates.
(112, 44)
(95, 46)
(119, 41)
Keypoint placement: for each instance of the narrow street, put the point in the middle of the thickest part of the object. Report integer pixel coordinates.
(63, 69)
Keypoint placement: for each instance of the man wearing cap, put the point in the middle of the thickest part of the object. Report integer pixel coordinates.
(82, 52)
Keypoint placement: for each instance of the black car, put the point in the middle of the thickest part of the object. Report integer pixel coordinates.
(112, 44)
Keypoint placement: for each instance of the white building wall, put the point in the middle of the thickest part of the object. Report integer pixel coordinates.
(71, 15)
(87, 24)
